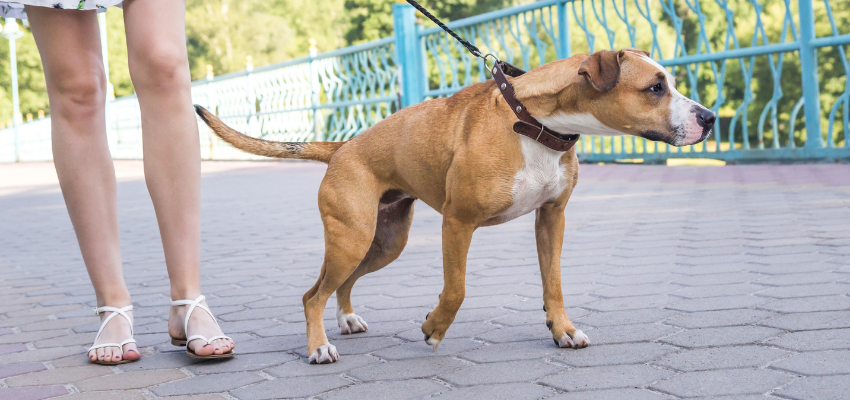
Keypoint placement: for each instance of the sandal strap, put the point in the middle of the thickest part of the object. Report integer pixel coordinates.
(115, 311)
(119, 345)
(192, 305)
(204, 338)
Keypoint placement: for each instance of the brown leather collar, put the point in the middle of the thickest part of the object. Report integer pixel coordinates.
(527, 124)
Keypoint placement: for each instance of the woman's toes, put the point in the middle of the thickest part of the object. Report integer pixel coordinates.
(116, 355)
(100, 353)
(131, 353)
(93, 355)
(202, 349)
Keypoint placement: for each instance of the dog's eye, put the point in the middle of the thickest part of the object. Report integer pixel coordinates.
(657, 88)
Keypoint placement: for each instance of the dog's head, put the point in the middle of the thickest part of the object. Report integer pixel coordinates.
(627, 92)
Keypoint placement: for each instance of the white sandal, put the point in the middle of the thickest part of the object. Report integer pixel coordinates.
(185, 342)
(114, 311)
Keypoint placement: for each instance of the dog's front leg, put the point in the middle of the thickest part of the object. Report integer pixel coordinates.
(456, 238)
(549, 230)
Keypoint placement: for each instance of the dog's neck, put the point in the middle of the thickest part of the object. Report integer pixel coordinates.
(560, 104)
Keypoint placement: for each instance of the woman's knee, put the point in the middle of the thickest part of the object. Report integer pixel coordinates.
(78, 93)
(161, 67)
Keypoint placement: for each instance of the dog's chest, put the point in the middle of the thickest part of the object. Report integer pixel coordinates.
(541, 179)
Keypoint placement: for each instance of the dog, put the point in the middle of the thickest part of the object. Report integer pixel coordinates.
(460, 156)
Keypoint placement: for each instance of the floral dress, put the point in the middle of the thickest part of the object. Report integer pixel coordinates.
(15, 9)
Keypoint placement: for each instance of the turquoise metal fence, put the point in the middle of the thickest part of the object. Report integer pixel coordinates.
(763, 79)
(775, 71)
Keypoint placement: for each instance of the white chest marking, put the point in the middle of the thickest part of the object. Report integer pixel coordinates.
(541, 179)
(585, 124)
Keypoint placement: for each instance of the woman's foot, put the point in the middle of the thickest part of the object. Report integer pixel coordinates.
(116, 330)
(200, 323)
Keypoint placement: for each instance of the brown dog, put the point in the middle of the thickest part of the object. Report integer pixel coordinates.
(460, 156)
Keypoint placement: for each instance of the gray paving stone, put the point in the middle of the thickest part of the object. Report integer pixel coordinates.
(818, 387)
(610, 377)
(709, 319)
(421, 349)
(629, 333)
(833, 362)
(407, 369)
(813, 340)
(290, 387)
(508, 391)
(614, 354)
(810, 321)
(787, 292)
(809, 304)
(301, 367)
(619, 318)
(7, 370)
(213, 383)
(692, 264)
(33, 393)
(721, 358)
(244, 362)
(501, 372)
(528, 350)
(614, 394)
(717, 303)
(355, 345)
(724, 336)
(723, 382)
(399, 390)
(631, 303)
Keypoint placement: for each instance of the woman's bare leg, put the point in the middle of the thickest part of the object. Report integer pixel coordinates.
(159, 68)
(68, 41)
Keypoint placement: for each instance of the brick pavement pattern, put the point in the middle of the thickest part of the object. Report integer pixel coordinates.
(712, 282)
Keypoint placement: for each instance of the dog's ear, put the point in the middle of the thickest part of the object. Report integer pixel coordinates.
(602, 69)
(639, 51)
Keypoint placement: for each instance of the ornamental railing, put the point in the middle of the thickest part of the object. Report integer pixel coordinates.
(775, 71)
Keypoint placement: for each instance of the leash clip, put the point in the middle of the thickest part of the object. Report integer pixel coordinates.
(496, 61)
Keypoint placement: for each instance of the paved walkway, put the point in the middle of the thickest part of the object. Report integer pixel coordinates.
(689, 281)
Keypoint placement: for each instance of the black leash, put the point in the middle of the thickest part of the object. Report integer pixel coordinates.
(527, 124)
(469, 46)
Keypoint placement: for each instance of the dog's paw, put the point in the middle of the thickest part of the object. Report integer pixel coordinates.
(350, 323)
(433, 336)
(577, 341)
(324, 355)
(432, 342)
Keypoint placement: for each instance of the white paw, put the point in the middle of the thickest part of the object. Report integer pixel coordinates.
(350, 323)
(433, 342)
(324, 355)
(578, 341)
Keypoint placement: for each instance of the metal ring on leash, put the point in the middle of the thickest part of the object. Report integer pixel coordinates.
(496, 60)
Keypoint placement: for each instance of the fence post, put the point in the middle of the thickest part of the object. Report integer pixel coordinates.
(314, 91)
(564, 48)
(251, 97)
(809, 69)
(408, 54)
(211, 106)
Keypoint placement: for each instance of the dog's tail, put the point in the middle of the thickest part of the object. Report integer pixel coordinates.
(317, 151)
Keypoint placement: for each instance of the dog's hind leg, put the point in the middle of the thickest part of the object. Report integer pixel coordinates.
(390, 238)
(349, 212)
(457, 235)
(549, 230)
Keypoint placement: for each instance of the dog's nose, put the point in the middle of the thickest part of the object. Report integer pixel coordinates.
(706, 118)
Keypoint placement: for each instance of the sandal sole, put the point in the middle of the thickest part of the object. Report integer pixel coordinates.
(211, 356)
(113, 362)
